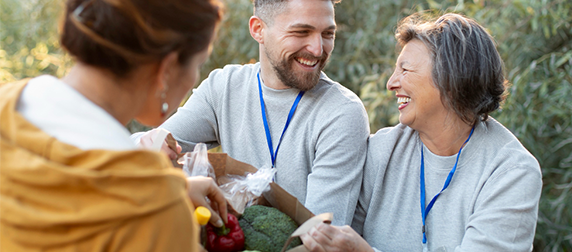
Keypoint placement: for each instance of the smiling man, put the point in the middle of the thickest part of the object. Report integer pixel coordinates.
(284, 111)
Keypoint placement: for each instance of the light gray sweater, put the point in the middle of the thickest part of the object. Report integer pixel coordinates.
(322, 153)
(491, 203)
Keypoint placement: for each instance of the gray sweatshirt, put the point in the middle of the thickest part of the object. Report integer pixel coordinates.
(491, 203)
(322, 152)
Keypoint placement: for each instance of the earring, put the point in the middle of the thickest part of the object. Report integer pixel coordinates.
(164, 105)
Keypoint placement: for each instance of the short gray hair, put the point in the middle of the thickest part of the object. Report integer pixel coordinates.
(467, 68)
(268, 9)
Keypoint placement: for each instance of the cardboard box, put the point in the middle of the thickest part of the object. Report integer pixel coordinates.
(277, 197)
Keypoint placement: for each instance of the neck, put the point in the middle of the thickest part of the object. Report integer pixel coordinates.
(446, 140)
(115, 96)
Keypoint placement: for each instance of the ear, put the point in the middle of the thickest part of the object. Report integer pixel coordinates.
(256, 26)
(168, 68)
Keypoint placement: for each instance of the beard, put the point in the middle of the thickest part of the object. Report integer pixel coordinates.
(303, 81)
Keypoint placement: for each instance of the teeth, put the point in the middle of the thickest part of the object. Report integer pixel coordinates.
(307, 62)
(403, 100)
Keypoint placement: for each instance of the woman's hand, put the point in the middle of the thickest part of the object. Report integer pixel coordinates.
(146, 141)
(199, 188)
(324, 237)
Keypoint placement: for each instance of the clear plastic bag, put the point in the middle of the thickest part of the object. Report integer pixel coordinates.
(242, 191)
(196, 163)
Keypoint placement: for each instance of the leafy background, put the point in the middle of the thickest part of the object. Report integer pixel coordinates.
(534, 38)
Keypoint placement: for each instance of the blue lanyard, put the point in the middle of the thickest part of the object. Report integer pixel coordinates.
(290, 115)
(425, 211)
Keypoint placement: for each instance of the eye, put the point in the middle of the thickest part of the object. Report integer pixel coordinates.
(329, 34)
(301, 32)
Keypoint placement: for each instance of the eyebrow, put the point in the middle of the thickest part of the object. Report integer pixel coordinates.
(307, 26)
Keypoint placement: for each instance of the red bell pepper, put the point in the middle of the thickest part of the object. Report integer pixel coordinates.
(229, 238)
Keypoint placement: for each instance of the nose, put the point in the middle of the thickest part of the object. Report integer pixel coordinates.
(315, 45)
(393, 83)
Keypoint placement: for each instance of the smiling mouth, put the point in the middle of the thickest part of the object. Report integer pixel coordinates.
(403, 100)
(306, 62)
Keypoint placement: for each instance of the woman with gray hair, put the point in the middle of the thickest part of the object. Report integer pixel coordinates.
(448, 177)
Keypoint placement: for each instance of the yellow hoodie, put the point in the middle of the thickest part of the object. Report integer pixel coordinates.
(56, 197)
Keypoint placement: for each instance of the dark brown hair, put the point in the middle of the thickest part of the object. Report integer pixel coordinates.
(119, 35)
(467, 68)
(268, 9)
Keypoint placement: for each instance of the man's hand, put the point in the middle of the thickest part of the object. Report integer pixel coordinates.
(146, 142)
(325, 237)
(199, 188)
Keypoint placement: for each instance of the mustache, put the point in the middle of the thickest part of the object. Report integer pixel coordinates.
(309, 56)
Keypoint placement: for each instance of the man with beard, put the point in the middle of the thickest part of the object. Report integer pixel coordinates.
(284, 111)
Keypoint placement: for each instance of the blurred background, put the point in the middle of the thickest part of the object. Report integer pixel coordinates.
(534, 38)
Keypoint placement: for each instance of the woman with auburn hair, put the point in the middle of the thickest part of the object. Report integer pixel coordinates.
(71, 178)
(448, 177)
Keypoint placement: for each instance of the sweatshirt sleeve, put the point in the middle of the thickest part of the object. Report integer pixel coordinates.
(337, 171)
(370, 175)
(506, 211)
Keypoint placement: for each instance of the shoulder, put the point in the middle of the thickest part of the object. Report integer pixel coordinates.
(231, 77)
(391, 136)
(336, 103)
(505, 140)
(336, 91)
(498, 144)
(235, 71)
(387, 142)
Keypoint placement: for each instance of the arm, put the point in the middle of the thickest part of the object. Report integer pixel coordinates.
(196, 122)
(370, 173)
(333, 238)
(505, 213)
(335, 180)
(377, 153)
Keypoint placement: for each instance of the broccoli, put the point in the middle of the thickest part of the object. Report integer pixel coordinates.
(267, 229)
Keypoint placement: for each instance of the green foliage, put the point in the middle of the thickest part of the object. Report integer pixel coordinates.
(539, 113)
(534, 39)
(28, 42)
(233, 44)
